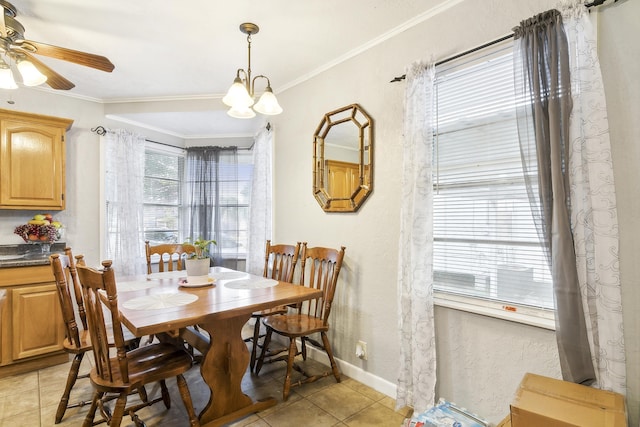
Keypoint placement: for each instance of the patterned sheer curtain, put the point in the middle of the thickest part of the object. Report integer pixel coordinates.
(594, 217)
(417, 377)
(212, 201)
(564, 141)
(124, 187)
(260, 204)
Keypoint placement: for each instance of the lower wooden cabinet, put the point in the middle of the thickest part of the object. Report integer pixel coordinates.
(31, 327)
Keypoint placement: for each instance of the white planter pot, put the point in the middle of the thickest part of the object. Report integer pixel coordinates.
(198, 267)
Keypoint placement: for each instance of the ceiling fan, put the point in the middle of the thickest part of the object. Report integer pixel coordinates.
(15, 48)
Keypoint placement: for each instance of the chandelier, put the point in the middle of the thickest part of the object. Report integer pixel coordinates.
(240, 96)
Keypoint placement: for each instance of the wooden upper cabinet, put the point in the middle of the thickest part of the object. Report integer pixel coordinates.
(32, 161)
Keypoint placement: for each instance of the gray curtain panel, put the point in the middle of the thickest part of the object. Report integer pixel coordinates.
(211, 183)
(544, 105)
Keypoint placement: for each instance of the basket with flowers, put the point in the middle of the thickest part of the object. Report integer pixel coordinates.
(40, 229)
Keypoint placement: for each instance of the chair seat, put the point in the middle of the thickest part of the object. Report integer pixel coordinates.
(147, 364)
(85, 343)
(295, 325)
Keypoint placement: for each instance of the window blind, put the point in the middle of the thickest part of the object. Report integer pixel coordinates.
(163, 174)
(485, 242)
(234, 183)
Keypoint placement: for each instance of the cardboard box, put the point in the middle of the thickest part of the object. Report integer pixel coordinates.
(542, 401)
(506, 422)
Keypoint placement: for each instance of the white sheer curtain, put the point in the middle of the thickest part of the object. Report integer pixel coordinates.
(260, 204)
(124, 192)
(417, 377)
(593, 211)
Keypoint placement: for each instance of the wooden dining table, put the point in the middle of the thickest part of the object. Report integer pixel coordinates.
(221, 304)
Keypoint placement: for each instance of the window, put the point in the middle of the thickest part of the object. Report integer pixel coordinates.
(165, 205)
(163, 178)
(217, 191)
(485, 242)
(235, 193)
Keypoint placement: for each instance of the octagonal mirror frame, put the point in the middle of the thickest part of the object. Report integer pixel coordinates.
(343, 159)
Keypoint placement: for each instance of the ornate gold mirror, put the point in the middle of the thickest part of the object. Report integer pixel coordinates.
(343, 159)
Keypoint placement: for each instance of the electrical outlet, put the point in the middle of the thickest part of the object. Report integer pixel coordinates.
(361, 350)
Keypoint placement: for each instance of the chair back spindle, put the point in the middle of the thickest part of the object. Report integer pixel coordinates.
(77, 290)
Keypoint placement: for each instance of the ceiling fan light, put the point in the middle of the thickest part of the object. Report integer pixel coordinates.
(268, 104)
(6, 77)
(241, 112)
(30, 74)
(237, 96)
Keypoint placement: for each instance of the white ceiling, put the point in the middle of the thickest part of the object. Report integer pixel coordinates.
(166, 50)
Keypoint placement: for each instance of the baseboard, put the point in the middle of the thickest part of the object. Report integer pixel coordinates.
(379, 384)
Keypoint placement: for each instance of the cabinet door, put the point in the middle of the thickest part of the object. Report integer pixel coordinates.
(32, 160)
(37, 321)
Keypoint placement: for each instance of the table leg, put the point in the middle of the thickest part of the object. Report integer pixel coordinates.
(222, 369)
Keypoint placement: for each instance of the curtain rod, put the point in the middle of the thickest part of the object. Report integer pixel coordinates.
(101, 130)
(491, 43)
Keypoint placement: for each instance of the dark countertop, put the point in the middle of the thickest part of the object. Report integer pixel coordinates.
(26, 255)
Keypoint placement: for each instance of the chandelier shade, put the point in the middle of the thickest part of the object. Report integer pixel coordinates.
(268, 104)
(241, 95)
(237, 95)
(241, 112)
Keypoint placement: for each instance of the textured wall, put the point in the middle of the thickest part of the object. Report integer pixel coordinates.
(481, 360)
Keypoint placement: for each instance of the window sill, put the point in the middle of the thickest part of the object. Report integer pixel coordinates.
(540, 318)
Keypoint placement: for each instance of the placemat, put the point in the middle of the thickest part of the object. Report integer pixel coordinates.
(158, 301)
(251, 283)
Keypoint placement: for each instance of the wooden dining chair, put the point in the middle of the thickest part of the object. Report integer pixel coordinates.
(126, 371)
(170, 254)
(167, 253)
(320, 268)
(77, 340)
(279, 264)
(76, 334)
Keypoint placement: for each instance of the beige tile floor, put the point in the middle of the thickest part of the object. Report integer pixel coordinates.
(30, 400)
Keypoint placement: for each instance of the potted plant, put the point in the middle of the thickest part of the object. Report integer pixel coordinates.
(198, 263)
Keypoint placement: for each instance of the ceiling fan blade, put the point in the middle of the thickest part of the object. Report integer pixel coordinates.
(82, 58)
(54, 80)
